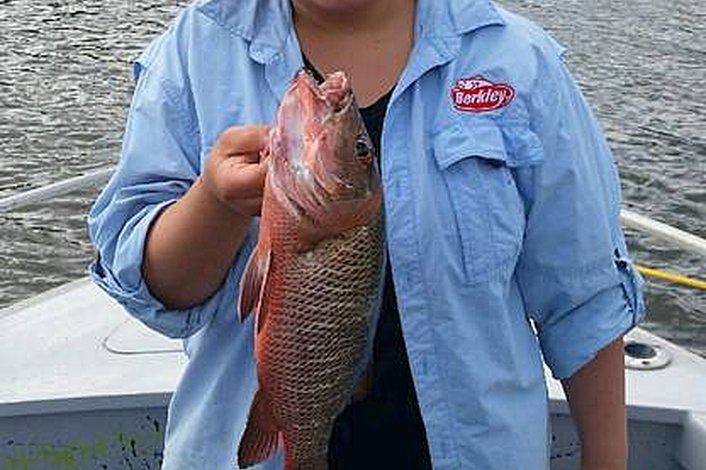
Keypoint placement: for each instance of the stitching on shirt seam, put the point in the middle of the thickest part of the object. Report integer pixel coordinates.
(232, 30)
(453, 441)
(236, 31)
(189, 124)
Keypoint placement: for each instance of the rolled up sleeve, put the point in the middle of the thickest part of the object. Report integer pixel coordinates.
(160, 160)
(577, 282)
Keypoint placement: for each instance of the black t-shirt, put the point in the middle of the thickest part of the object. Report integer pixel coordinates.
(385, 429)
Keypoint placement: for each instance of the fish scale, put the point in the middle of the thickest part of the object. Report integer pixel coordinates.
(318, 352)
(314, 279)
(318, 340)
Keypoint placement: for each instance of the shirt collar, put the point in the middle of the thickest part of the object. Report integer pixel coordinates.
(266, 24)
(444, 18)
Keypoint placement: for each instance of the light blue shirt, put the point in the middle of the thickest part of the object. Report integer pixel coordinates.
(502, 203)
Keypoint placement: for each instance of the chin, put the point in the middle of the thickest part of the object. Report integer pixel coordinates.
(336, 6)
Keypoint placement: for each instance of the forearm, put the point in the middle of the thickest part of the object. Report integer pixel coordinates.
(191, 247)
(596, 396)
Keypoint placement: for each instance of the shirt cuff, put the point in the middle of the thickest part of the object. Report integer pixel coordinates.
(124, 282)
(575, 340)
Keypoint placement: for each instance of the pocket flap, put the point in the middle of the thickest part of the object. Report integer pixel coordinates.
(484, 140)
(513, 144)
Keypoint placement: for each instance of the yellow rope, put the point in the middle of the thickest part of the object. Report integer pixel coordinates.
(676, 278)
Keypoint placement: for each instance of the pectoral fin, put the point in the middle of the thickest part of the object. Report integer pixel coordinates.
(252, 285)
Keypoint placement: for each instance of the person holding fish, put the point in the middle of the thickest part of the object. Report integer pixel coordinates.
(370, 261)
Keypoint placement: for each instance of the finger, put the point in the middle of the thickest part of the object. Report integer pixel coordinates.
(244, 180)
(241, 140)
(251, 157)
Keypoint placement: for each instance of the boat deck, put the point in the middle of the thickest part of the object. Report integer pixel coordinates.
(86, 353)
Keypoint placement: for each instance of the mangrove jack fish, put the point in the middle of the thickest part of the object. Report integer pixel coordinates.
(314, 278)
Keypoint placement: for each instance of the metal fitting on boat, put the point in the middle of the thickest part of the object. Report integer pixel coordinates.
(645, 356)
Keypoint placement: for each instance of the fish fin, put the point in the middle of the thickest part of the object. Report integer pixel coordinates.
(252, 284)
(261, 437)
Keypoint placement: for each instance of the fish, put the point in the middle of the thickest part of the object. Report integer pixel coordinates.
(314, 280)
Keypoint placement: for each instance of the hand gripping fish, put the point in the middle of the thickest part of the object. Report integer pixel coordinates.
(314, 278)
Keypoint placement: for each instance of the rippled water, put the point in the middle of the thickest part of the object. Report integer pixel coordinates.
(65, 83)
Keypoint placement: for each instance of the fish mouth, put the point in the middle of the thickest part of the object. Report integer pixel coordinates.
(335, 94)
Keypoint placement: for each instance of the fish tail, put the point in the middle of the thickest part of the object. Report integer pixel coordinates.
(261, 436)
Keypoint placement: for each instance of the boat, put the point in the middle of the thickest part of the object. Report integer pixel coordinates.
(85, 386)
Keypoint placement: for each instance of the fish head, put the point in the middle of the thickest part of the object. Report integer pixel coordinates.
(322, 154)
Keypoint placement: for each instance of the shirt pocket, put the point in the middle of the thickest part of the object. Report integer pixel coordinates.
(475, 162)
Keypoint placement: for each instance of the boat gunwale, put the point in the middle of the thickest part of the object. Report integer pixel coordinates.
(85, 404)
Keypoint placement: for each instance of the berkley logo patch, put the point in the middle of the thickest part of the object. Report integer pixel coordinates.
(476, 94)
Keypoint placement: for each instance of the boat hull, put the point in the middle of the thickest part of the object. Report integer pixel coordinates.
(88, 440)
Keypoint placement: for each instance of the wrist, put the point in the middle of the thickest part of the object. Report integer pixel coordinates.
(604, 454)
(604, 466)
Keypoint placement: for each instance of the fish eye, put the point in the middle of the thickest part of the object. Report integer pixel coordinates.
(362, 149)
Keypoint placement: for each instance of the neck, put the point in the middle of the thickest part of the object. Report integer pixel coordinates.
(350, 17)
(369, 40)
